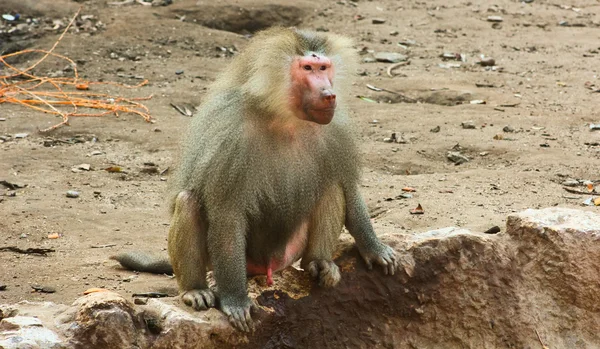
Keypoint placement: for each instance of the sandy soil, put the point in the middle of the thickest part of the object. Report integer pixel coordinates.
(541, 71)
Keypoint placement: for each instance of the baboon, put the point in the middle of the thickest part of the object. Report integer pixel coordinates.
(269, 174)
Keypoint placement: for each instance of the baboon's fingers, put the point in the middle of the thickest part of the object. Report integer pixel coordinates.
(239, 317)
(199, 299)
(326, 272)
(368, 262)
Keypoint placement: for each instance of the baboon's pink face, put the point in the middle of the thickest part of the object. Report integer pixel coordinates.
(312, 94)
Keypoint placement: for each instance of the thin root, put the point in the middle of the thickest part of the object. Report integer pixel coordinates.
(22, 87)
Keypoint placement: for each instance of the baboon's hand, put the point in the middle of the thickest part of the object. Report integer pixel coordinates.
(381, 254)
(327, 273)
(239, 314)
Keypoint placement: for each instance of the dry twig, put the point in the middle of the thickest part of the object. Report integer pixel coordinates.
(31, 250)
(22, 87)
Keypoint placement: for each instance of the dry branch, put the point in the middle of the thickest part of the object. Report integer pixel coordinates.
(23, 87)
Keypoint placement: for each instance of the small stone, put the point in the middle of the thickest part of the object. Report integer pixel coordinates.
(394, 33)
(3, 287)
(96, 152)
(369, 60)
(23, 236)
(495, 19)
(435, 129)
(487, 62)
(48, 289)
(508, 129)
(378, 21)
(2, 119)
(21, 135)
(477, 101)
(178, 72)
(407, 42)
(44, 289)
(468, 125)
(140, 301)
(72, 194)
(456, 157)
(84, 167)
(390, 57)
(571, 183)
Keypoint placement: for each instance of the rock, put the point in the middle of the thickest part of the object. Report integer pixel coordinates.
(454, 289)
(508, 129)
(468, 125)
(390, 57)
(72, 194)
(378, 21)
(104, 320)
(20, 332)
(571, 183)
(495, 19)
(456, 157)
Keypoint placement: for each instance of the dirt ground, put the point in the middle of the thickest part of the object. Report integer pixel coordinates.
(543, 85)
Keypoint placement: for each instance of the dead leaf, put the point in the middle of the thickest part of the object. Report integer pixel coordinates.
(114, 169)
(82, 86)
(418, 210)
(409, 189)
(53, 236)
(94, 290)
(366, 99)
(590, 187)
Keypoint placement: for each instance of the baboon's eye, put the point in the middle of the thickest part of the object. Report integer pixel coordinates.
(323, 67)
(307, 67)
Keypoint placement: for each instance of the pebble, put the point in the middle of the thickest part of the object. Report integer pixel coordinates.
(2, 119)
(435, 129)
(140, 301)
(44, 289)
(2, 287)
(571, 183)
(495, 19)
(378, 21)
(390, 57)
(456, 157)
(508, 129)
(21, 135)
(179, 72)
(72, 194)
(468, 125)
(487, 62)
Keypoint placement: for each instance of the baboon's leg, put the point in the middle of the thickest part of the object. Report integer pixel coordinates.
(325, 227)
(188, 252)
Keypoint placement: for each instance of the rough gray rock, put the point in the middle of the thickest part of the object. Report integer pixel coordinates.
(455, 289)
